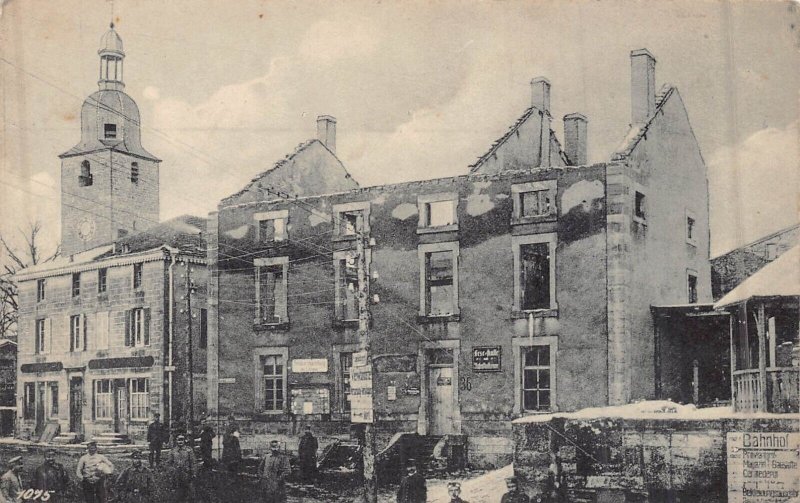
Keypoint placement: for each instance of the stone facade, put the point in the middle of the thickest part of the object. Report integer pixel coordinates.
(8, 386)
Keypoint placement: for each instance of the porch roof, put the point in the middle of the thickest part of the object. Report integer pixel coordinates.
(779, 278)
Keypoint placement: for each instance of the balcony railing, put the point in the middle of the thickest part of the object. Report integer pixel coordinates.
(779, 392)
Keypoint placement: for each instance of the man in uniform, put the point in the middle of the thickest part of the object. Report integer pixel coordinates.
(273, 470)
(182, 461)
(155, 437)
(135, 483)
(51, 476)
(412, 488)
(92, 470)
(514, 494)
(307, 452)
(454, 491)
(10, 482)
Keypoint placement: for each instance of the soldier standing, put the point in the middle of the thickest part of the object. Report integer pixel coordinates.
(135, 483)
(231, 450)
(454, 491)
(514, 494)
(51, 476)
(11, 482)
(181, 459)
(307, 452)
(155, 437)
(206, 446)
(273, 470)
(92, 469)
(412, 488)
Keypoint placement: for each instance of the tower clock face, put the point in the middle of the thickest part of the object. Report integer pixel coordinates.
(86, 228)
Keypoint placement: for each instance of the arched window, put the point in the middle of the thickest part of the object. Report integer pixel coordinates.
(85, 178)
(135, 172)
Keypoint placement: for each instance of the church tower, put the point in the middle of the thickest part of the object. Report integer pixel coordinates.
(109, 183)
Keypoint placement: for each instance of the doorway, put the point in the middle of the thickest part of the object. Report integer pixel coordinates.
(40, 412)
(121, 411)
(441, 391)
(76, 405)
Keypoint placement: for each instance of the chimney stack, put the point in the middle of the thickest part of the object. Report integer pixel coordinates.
(540, 94)
(575, 130)
(326, 131)
(643, 86)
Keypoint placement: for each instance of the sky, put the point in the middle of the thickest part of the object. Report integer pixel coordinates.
(420, 89)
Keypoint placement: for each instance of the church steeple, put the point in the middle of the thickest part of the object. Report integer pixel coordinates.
(111, 58)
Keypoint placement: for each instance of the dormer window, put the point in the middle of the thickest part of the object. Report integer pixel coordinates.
(85, 178)
(134, 172)
(110, 131)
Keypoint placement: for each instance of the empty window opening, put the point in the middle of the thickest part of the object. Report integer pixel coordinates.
(535, 203)
(85, 178)
(440, 298)
(272, 294)
(110, 131)
(692, 287)
(439, 213)
(535, 276)
(640, 209)
(135, 172)
(348, 289)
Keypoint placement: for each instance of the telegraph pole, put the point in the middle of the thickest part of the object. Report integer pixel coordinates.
(189, 358)
(370, 478)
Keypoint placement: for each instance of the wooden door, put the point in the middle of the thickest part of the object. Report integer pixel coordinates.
(40, 412)
(76, 405)
(440, 400)
(121, 411)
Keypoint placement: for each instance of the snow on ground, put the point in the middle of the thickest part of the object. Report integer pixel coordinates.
(488, 487)
(653, 409)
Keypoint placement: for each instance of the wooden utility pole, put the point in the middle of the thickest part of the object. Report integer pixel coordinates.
(189, 356)
(370, 478)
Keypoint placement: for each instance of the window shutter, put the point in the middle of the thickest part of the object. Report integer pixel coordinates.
(48, 336)
(70, 329)
(128, 338)
(85, 332)
(146, 327)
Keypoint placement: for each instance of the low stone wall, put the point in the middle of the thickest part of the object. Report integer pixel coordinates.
(633, 459)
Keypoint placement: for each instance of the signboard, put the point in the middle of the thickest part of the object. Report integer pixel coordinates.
(227, 380)
(763, 466)
(361, 393)
(300, 366)
(360, 359)
(311, 401)
(486, 358)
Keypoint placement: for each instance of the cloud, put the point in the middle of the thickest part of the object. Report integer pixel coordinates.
(328, 41)
(753, 187)
(151, 93)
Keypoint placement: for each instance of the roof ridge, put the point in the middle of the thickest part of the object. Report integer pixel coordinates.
(496, 144)
(630, 143)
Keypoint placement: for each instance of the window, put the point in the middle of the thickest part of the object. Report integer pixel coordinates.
(135, 172)
(273, 382)
(29, 407)
(102, 280)
(41, 336)
(137, 327)
(534, 199)
(346, 361)
(40, 290)
(691, 228)
(536, 379)
(439, 279)
(350, 219)
(692, 287)
(272, 290)
(53, 390)
(76, 284)
(77, 332)
(203, 328)
(139, 392)
(271, 226)
(437, 211)
(640, 208)
(103, 399)
(137, 276)
(347, 287)
(85, 178)
(534, 266)
(110, 131)
(772, 251)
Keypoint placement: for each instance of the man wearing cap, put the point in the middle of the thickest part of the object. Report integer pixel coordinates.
(182, 461)
(51, 476)
(514, 494)
(135, 483)
(155, 439)
(11, 482)
(412, 488)
(273, 470)
(454, 491)
(92, 470)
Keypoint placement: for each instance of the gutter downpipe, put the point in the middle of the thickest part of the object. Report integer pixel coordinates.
(171, 368)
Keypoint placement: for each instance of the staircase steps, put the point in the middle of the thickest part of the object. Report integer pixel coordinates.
(111, 438)
(66, 438)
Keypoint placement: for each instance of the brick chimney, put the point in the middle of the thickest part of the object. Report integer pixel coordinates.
(643, 86)
(575, 130)
(540, 98)
(326, 131)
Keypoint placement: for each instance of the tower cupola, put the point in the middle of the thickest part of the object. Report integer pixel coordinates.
(111, 58)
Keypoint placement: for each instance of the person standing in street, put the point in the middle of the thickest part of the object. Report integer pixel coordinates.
(92, 470)
(514, 494)
(412, 488)
(11, 481)
(454, 491)
(307, 452)
(206, 446)
(51, 476)
(272, 471)
(231, 450)
(181, 460)
(155, 439)
(135, 483)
